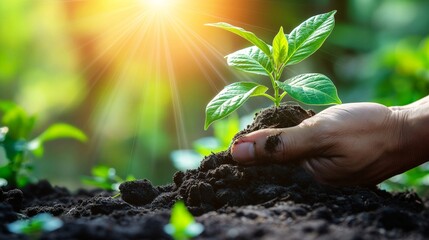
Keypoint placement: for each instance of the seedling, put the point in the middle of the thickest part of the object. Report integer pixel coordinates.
(16, 147)
(182, 224)
(263, 59)
(35, 226)
(105, 178)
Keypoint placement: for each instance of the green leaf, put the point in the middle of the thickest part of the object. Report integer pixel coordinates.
(311, 88)
(182, 224)
(61, 130)
(56, 131)
(103, 172)
(230, 99)
(305, 39)
(280, 48)
(251, 60)
(95, 182)
(20, 124)
(130, 178)
(42, 222)
(249, 36)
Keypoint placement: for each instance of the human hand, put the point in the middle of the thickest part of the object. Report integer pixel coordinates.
(349, 144)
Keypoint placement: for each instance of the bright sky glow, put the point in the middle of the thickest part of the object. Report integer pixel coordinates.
(158, 5)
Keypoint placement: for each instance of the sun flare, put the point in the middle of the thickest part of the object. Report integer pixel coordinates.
(159, 5)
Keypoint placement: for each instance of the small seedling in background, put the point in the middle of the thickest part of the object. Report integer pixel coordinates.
(224, 132)
(263, 59)
(416, 179)
(182, 224)
(35, 226)
(105, 178)
(16, 147)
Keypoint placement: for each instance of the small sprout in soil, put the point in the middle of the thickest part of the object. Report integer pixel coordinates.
(35, 226)
(182, 224)
(271, 60)
(16, 147)
(105, 178)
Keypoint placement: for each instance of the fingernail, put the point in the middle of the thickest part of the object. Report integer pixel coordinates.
(243, 152)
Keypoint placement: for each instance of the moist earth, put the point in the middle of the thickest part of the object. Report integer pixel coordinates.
(269, 201)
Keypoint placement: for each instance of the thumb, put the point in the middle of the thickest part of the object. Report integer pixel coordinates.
(275, 145)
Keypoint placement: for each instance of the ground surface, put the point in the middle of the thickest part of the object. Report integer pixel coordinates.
(231, 201)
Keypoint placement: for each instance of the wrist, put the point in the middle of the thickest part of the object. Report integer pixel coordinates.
(413, 134)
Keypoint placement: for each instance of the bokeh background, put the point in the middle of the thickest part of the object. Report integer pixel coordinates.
(136, 77)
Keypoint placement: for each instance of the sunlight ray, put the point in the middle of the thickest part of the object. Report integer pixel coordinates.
(178, 117)
(155, 56)
(191, 49)
(134, 157)
(202, 53)
(124, 32)
(116, 86)
(208, 47)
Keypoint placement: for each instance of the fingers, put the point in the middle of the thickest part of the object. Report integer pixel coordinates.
(275, 145)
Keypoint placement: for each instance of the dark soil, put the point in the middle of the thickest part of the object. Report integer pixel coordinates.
(232, 202)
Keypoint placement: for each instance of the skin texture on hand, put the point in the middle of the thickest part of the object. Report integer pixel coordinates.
(349, 144)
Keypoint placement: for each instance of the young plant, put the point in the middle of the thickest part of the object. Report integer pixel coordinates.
(35, 226)
(182, 224)
(266, 60)
(16, 147)
(105, 178)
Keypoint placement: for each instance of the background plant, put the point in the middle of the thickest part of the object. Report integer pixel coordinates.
(35, 226)
(16, 147)
(182, 224)
(263, 59)
(106, 178)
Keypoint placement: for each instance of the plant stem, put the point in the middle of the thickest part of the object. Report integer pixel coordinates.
(276, 98)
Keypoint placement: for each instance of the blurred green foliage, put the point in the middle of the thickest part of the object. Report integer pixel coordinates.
(182, 224)
(16, 146)
(105, 177)
(403, 72)
(36, 225)
(37, 61)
